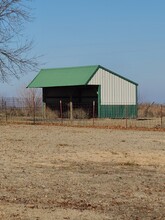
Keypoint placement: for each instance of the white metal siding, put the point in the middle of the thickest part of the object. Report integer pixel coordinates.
(114, 90)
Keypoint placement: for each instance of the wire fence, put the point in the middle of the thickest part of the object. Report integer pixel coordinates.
(33, 111)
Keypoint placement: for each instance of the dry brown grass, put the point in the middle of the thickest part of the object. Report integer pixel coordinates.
(150, 116)
(150, 110)
(52, 172)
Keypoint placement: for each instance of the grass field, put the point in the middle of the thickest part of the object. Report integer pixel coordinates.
(51, 172)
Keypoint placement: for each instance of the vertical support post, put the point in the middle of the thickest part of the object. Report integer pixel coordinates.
(43, 110)
(71, 110)
(99, 101)
(161, 116)
(93, 112)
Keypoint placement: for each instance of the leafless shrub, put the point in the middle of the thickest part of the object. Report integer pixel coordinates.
(31, 100)
(150, 110)
(16, 112)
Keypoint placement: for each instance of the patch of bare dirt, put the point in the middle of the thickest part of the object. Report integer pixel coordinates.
(51, 172)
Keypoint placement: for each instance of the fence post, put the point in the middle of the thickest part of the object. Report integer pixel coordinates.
(61, 110)
(34, 110)
(93, 112)
(161, 116)
(5, 110)
(126, 116)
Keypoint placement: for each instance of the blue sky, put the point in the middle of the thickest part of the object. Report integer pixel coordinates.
(126, 36)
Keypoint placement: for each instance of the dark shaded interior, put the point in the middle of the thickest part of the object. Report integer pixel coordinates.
(82, 98)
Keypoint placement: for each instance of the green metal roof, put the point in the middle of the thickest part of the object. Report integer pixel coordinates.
(69, 76)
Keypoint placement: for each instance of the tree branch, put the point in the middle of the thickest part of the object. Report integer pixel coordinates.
(14, 59)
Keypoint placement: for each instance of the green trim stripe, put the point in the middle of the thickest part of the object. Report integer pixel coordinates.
(118, 111)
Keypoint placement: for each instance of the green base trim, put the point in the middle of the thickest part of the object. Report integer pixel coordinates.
(118, 111)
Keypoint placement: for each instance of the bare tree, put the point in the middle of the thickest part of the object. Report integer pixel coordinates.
(14, 58)
(31, 99)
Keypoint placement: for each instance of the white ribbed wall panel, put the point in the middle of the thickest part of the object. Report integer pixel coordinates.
(114, 89)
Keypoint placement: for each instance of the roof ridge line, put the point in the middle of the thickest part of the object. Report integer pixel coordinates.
(67, 67)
